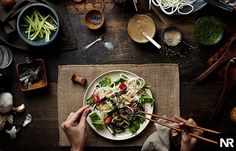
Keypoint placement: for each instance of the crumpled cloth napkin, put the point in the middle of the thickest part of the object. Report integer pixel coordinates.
(159, 140)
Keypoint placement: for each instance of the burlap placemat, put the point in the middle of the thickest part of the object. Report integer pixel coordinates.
(163, 77)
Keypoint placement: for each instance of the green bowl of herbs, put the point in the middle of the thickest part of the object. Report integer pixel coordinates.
(208, 30)
(38, 24)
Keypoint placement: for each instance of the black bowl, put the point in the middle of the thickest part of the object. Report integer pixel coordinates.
(170, 28)
(44, 10)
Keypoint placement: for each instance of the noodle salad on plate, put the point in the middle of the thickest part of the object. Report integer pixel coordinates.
(117, 102)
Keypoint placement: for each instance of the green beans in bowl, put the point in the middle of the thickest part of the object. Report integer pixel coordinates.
(38, 24)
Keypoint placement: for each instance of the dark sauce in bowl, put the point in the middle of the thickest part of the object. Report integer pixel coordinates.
(208, 30)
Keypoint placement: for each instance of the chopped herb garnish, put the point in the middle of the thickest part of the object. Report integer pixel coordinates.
(105, 82)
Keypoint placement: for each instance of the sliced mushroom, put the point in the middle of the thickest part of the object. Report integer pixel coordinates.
(12, 132)
(10, 119)
(2, 121)
(19, 109)
(2, 125)
(28, 119)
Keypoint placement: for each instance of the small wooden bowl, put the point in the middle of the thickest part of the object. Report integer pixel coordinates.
(94, 19)
(42, 82)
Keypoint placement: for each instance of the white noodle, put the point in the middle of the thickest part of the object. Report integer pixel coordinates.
(133, 86)
(169, 7)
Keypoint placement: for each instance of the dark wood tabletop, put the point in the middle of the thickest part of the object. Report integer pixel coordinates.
(197, 100)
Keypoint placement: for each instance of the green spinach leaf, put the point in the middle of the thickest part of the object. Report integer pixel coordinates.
(89, 101)
(96, 120)
(134, 127)
(145, 99)
(105, 82)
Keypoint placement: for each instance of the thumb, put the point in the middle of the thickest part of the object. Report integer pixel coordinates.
(185, 142)
(84, 116)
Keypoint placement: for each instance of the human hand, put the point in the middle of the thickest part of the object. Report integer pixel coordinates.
(187, 142)
(75, 128)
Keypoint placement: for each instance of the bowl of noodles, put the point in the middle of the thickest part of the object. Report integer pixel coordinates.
(178, 7)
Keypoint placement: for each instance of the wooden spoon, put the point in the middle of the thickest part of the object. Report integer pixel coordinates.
(229, 83)
(229, 53)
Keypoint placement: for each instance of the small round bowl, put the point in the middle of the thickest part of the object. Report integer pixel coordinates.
(169, 29)
(44, 10)
(94, 19)
(138, 24)
(208, 30)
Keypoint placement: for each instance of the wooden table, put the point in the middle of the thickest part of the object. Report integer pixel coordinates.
(197, 101)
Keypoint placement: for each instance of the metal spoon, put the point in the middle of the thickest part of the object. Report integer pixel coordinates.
(151, 40)
(92, 43)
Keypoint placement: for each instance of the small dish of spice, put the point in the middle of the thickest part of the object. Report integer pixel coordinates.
(31, 74)
(171, 36)
(94, 19)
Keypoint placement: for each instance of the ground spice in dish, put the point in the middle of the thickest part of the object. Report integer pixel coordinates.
(172, 37)
(95, 19)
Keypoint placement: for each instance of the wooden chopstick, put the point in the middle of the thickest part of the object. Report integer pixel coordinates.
(177, 129)
(189, 125)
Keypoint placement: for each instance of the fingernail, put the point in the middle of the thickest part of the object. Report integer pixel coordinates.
(88, 110)
(174, 134)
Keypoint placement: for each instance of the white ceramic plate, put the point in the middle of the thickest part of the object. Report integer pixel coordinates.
(114, 75)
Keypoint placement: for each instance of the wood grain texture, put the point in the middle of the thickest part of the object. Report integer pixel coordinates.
(197, 101)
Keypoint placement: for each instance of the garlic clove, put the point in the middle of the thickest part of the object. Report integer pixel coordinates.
(19, 109)
(6, 102)
(28, 119)
(10, 119)
(12, 132)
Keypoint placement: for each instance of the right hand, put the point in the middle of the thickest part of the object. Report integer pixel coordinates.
(187, 142)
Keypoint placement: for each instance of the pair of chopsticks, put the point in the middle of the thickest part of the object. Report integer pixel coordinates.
(179, 130)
